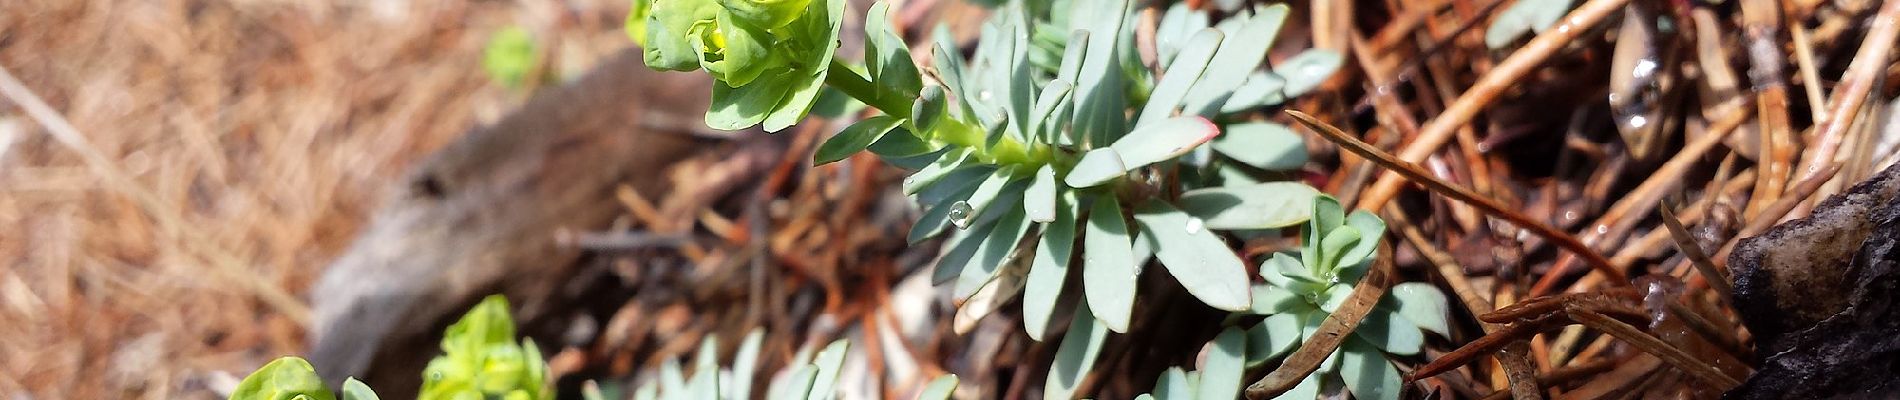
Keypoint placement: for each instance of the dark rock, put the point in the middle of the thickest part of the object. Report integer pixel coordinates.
(1820, 296)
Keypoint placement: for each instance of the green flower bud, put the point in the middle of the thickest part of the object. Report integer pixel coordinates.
(735, 52)
(669, 27)
(288, 378)
(766, 13)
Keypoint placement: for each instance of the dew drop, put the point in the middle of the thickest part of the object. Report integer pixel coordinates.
(1194, 225)
(961, 214)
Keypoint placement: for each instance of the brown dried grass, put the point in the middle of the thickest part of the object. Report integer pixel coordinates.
(255, 134)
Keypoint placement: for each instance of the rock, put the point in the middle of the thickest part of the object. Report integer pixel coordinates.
(1820, 295)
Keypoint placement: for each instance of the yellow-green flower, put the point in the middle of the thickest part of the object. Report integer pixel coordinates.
(770, 56)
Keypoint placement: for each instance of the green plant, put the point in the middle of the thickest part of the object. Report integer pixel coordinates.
(815, 377)
(1042, 147)
(292, 378)
(1301, 292)
(481, 359)
(510, 57)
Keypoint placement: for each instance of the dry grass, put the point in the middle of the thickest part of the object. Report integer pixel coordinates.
(253, 136)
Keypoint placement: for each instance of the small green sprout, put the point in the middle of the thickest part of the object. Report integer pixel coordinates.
(482, 360)
(510, 57)
(1301, 292)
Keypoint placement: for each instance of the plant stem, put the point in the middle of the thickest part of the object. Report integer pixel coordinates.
(847, 80)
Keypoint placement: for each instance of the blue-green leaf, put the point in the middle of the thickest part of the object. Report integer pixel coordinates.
(1332, 248)
(1270, 300)
(1261, 89)
(1175, 384)
(1226, 365)
(1308, 389)
(1352, 264)
(1043, 122)
(1177, 24)
(1235, 60)
(1327, 214)
(888, 57)
(1075, 357)
(1367, 373)
(1196, 257)
(957, 158)
(1181, 75)
(1051, 269)
(795, 387)
(1281, 331)
(1109, 271)
(1096, 167)
(1040, 200)
(1424, 305)
(995, 252)
(958, 251)
(1099, 117)
(1163, 140)
(355, 390)
(1523, 17)
(705, 381)
(1383, 327)
(745, 364)
(1263, 145)
(855, 138)
(1258, 206)
(928, 109)
(937, 217)
(1307, 70)
(940, 388)
(672, 381)
(830, 363)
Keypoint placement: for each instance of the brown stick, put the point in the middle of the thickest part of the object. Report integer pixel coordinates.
(1331, 333)
(1440, 130)
(1856, 84)
(1415, 173)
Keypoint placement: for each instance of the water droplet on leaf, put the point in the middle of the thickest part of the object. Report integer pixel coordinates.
(961, 214)
(1194, 225)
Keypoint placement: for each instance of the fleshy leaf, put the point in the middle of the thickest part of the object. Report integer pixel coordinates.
(1370, 229)
(745, 363)
(940, 388)
(1258, 206)
(1235, 60)
(282, 379)
(830, 363)
(1307, 70)
(1040, 200)
(1175, 385)
(1051, 269)
(888, 58)
(1109, 271)
(1226, 366)
(1383, 327)
(996, 252)
(1367, 373)
(1270, 300)
(855, 138)
(705, 381)
(1163, 140)
(1523, 17)
(1424, 305)
(1196, 257)
(355, 390)
(1263, 145)
(1075, 357)
(766, 13)
(1096, 167)
(1181, 75)
(797, 386)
